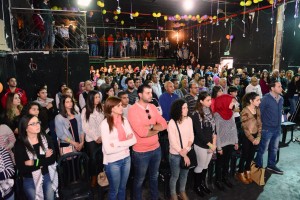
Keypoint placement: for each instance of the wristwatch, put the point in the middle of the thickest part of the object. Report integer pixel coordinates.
(151, 127)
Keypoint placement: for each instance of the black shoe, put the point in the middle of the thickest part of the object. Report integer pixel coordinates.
(220, 185)
(227, 183)
(205, 188)
(199, 191)
(275, 170)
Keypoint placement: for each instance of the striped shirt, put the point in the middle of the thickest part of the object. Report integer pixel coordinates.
(7, 171)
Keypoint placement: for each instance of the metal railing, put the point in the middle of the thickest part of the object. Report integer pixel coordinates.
(41, 29)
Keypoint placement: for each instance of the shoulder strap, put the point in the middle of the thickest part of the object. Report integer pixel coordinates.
(179, 135)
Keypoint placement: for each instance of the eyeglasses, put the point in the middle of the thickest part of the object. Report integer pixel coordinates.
(149, 116)
(35, 123)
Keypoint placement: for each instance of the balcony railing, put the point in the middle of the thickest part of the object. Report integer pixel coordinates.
(40, 30)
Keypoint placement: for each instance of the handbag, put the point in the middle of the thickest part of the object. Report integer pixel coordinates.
(102, 179)
(257, 174)
(191, 154)
(68, 149)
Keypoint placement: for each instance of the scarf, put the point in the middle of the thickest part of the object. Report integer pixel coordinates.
(119, 126)
(208, 118)
(42, 102)
(38, 176)
(222, 106)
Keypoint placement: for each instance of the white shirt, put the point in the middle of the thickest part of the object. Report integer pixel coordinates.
(91, 128)
(256, 89)
(156, 89)
(120, 149)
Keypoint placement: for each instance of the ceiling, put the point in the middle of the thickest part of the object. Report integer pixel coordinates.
(147, 7)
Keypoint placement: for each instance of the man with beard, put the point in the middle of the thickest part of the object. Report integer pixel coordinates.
(132, 93)
(146, 123)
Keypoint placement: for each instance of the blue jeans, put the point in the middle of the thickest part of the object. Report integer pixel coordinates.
(269, 141)
(141, 162)
(29, 188)
(293, 103)
(177, 172)
(110, 51)
(94, 49)
(117, 175)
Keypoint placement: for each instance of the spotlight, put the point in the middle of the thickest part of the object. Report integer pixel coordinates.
(83, 2)
(188, 5)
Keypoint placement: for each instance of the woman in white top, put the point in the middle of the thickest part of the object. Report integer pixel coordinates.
(178, 115)
(117, 136)
(92, 116)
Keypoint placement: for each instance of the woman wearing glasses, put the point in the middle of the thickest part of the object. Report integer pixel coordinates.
(35, 160)
(117, 137)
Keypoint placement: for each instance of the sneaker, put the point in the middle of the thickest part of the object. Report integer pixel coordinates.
(275, 170)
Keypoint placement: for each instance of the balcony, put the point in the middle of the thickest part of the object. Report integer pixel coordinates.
(66, 30)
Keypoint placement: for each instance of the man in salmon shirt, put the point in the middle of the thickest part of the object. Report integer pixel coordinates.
(146, 123)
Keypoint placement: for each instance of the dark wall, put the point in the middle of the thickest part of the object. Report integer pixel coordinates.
(254, 49)
(51, 69)
(291, 38)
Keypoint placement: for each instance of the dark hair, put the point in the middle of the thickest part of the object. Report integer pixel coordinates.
(215, 91)
(23, 124)
(109, 104)
(199, 107)
(232, 89)
(173, 80)
(146, 82)
(62, 108)
(135, 80)
(142, 87)
(40, 88)
(8, 79)
(60, 85)
(176, 110)
(89, 107)
(121, 93)
(247, 97)
(201, 77)
(272, 84)
(127, 80)
(191, 84)
(105, 95)
(235, 77)
(25, 110)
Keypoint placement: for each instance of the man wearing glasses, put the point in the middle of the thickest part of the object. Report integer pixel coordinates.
(146, 123)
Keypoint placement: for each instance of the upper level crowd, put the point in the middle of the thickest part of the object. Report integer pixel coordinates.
(211, 110)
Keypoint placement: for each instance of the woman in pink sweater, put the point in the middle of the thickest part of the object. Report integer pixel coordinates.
(178, 115)
(117, 137)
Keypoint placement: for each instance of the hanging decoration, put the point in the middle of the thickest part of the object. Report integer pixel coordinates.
(244, 21)
(257, 29)
(218, 11)
(296, 9)
(100, 4)
(122, 22)
(225, 14)
(156, 15)
(118, 10)
(104, 12)
(165, 18)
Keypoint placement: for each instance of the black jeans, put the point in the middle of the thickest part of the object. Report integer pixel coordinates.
(222, 164)
(96, 162)
(248, 151)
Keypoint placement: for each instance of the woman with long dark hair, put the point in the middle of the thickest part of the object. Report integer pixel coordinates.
(264, 82)
(216, 92)
(35, 160)
(227, 138)
(117, 137)
(293, 92)
(92, 116)
(68, 126)
(205, 141)
(178, 116)
(251, 123)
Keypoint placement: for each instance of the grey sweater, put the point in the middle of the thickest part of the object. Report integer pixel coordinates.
(226, 131)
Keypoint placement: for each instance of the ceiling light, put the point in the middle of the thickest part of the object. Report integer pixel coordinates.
(188, 5)
(83, 2)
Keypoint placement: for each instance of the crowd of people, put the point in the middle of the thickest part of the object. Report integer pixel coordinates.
(128, 45)
(213, 111)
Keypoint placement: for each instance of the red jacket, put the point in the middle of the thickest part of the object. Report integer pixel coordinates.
(21, 92)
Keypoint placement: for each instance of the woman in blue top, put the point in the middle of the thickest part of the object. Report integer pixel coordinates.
(68, 126)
